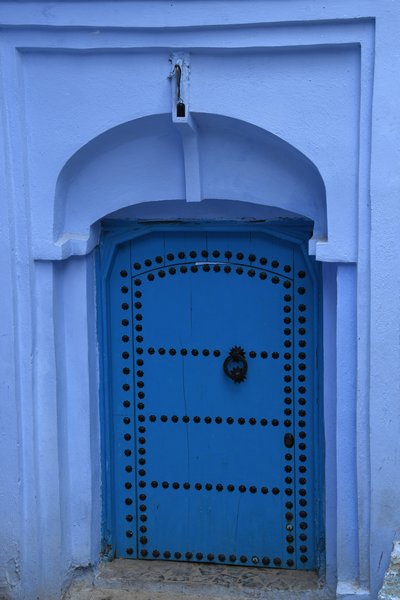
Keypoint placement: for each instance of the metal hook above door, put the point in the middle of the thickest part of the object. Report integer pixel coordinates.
(180, 105)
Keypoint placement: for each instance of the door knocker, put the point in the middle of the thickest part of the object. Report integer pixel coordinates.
(235, 364)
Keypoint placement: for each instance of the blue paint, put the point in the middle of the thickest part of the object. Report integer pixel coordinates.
(291, 111)
(180, 426)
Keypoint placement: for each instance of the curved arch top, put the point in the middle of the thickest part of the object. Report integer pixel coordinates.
(144, 160)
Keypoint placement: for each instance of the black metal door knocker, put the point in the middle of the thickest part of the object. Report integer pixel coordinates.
(235, 364)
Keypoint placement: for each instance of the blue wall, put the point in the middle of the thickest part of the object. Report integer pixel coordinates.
(292, 109)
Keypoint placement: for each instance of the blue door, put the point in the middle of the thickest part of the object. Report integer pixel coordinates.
(212, 379)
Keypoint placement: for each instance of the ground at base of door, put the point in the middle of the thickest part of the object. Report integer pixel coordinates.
(391, 584)
(159, 580)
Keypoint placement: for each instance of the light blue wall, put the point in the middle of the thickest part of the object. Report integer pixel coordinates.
(292, 106)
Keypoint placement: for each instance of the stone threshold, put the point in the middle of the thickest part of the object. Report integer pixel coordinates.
(123, 579)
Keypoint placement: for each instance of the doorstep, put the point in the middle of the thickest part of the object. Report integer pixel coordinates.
(123, 579)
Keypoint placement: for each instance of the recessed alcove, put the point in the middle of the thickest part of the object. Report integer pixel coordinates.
(144, 161)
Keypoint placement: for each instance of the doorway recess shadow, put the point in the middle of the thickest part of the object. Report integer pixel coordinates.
(124, 579)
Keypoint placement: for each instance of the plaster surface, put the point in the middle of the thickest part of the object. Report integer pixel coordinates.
(315, 80)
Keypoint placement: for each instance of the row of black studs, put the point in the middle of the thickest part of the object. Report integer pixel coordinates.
(302, 468)
(229, 420)
(219, 487)
(287, 309)
(141, 440)
(205, 254)
(141, 429)
(127, 418)
(210, 557)
(196, 419)
(139, 350)
(207, 268)
(205, 352)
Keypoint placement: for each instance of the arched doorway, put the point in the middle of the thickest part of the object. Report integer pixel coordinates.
(249, 178)
(211, 392)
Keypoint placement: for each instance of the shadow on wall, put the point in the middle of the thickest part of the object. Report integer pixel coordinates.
(142, 161)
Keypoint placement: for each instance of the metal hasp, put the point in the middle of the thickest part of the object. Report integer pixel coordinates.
(235, 365)
(203, 470)
(180, 105)
(180, 108)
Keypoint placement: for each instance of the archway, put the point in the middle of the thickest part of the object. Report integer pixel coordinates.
(145, 161)
(79, 213)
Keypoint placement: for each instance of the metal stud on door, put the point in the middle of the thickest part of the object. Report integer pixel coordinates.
(220, 356)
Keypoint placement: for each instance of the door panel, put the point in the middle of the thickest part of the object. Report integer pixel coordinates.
(205, 468)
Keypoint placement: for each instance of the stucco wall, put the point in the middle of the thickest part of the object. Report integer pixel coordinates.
(291, 104)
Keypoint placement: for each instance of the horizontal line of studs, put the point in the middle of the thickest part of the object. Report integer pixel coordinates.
(207, 267)
(172, 352)
(143, 540)
(206, 255)
(125, 355)
(219, 487)
(208, 420)
(211, 557)
(205, 352)
(127, 370)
